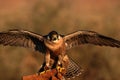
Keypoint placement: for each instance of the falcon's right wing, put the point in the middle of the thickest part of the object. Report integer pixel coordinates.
(23, 38)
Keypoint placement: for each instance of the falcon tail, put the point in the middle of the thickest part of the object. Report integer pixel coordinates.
(73, 70)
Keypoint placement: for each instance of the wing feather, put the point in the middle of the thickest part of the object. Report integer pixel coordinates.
(22, 38)
(89, 37)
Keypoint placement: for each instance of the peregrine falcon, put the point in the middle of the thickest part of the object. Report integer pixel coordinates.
(55, 45)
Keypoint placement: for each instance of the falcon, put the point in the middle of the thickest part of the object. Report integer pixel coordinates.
(55, 46)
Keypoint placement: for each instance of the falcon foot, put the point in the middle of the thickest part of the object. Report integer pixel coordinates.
(43, 72)
(43, 69)
(61, 70)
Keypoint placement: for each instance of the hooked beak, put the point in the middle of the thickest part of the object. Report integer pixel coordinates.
(54, 37)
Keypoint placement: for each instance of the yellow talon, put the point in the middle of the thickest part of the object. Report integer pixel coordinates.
(60, 69)
(43, 72)
(47, 70)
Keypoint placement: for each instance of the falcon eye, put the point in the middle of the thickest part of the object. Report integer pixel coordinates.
(58, 37)
(48, 37)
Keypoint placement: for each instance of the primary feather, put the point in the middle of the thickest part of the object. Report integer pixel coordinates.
(22, 38)
(89, 37)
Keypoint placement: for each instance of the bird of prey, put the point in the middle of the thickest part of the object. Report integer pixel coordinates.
(55, 45)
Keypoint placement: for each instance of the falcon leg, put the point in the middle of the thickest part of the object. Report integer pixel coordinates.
(41, 68)
(47, 60)
(46, 65)
(63, 62)
(60, 58)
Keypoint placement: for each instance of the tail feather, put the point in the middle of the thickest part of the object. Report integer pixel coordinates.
(73, 70)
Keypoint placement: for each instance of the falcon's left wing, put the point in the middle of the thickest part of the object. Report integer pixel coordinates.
(89, 37)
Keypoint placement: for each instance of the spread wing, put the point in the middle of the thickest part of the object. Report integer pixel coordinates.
(89, 37)
(22, 38)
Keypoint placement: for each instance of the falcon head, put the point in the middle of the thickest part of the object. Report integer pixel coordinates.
(53, 36)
